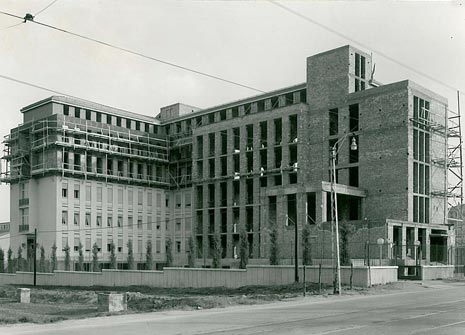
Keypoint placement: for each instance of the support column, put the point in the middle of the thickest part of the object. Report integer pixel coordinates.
(321, 207)
(404, 242)
(428, 246)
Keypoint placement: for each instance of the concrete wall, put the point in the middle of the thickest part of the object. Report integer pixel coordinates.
(184, 277)
(437, 271)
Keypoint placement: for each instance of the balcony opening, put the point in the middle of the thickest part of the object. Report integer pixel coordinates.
(278, 131)
(263, 134)
(293, 129)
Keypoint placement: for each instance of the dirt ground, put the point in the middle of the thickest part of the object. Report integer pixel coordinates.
(52, 304)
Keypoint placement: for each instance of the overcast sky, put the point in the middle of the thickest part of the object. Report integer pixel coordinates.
(254, 43)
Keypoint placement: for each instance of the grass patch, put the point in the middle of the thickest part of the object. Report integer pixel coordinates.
(52, 304)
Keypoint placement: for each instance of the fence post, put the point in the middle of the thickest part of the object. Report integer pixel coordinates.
(351, 274)
(369, 267)
(319, 278)
(305, 281)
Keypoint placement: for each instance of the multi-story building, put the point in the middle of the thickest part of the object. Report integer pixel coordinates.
(88, 173)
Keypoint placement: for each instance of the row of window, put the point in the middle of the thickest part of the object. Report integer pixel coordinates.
(109, 119)
(102, 165)
(110, 194)
(354, 116)
(239, 111)
(235, 139)
(119, 247)
(109, 220)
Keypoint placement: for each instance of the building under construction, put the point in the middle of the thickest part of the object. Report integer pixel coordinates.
(189, 179)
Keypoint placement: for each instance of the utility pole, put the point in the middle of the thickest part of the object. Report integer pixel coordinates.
(35, 256)
(296, 254)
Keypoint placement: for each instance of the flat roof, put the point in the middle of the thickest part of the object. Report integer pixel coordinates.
(90, 105)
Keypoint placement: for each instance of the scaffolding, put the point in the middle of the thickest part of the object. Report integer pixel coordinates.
(180, 158)
(70, 146)
(449, 129)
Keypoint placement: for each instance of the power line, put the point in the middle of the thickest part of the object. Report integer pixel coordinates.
(38, 86)
(365, 46)
(13, 25)
(185, 68)
(49, 5)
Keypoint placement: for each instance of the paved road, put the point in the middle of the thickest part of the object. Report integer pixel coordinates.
(430, 308)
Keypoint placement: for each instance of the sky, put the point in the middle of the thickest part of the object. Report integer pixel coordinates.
(255, 43)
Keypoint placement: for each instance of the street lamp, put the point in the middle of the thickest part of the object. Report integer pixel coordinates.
(334, 215)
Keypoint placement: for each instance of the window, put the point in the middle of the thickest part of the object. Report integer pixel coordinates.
(24, 216)
(263, 134)
(120, 196)
(224, 142)
(249, 139)
(178, 247)
(360, 73)
(88, 115)
(76, 219)
(120, 221)
(199, 146)
(89, 163)
(64, 217)
(139, 222)
(149, 223)
(99, 243)
(293, 128)
(278, 131)
(108, 119)
(88, 243)
(353, 117)
(99, 220)
(236, 139)
(235, 112)
(65, 110)
(421, 159)
(149, 198)
(130, 221)
(64, 241)
(109, 220)
(222, 115)
(88, 217)
(291, 209)
(64, 190)
(23, 190)
(110, 195)
(278, 156)
(99, 117)
(77, 112)
(120, 245)
(333, 121)
(88, 193)
(76, 191)
(139, 197)
(211, 144)
(99, 193)
(109, 243)
(130, 197)
(77, 242)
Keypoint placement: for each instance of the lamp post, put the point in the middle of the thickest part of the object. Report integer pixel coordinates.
(334, 214)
